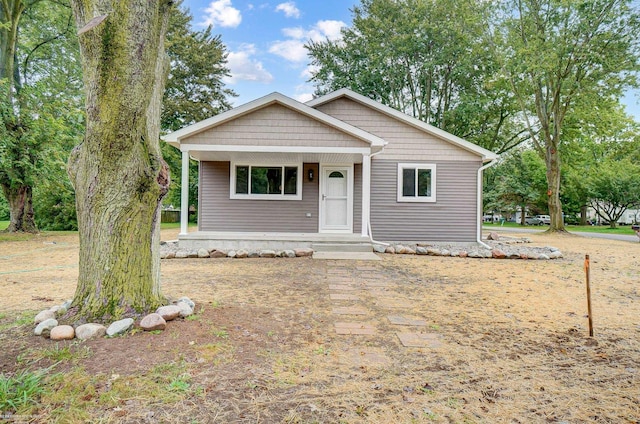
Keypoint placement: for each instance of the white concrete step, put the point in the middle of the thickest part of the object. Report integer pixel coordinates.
(342, 247)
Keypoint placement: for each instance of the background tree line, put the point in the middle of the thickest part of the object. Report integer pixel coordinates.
(519, 76)
(42, 105)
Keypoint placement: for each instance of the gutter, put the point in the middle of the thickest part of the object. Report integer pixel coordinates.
(479, 201)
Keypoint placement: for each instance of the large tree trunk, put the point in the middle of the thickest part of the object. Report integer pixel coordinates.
(118, 172)
(21, 209)
(552, 157)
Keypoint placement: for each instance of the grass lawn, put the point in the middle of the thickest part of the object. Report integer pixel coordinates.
(3, 225)
(604, 229)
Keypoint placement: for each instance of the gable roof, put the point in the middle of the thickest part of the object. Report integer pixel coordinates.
(175, 137)
(486, 155)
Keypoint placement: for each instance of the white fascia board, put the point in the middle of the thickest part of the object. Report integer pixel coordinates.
(487, 155)
(272, 149)
(376, 142)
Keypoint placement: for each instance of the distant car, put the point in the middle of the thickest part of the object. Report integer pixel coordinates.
(546, 219)
(533, 221)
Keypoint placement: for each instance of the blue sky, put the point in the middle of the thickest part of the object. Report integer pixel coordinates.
(265, 41)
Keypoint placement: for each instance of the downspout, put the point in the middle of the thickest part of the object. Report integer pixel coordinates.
(479, 197)
(369, 217)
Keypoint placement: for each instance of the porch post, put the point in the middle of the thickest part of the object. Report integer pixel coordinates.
(184, 196)
(366, 193)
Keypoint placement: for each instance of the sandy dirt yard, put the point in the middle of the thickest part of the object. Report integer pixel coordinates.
(445, 339)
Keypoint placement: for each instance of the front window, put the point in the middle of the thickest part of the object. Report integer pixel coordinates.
(266, 182)
(416, 182)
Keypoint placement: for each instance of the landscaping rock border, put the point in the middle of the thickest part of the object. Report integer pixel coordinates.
(500, 247)
(48, 327)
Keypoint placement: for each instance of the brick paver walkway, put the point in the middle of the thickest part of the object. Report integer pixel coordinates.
(356, 292)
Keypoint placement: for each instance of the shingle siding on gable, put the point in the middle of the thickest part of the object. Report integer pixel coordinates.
(406, 143)
(451, 218)
(275, 125)
(217, 212)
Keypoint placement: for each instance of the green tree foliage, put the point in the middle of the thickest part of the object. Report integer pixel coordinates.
(517, 183)
(194, 91)
(614, 186)
(561, 58)
(39, 93)
(429, 59)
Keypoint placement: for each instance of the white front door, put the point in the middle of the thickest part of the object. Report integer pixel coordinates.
(336, 199)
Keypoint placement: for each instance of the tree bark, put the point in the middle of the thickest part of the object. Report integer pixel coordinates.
(118, 172)
(21, 209)
(552, 157)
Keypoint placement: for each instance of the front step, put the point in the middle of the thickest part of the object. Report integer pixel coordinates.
(342, 247)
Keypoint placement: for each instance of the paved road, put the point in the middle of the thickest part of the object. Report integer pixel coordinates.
(622, 237)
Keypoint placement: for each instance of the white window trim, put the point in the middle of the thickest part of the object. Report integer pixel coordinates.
(417, 199)
(249, 196)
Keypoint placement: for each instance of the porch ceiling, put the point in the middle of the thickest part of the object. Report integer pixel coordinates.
(276, 157)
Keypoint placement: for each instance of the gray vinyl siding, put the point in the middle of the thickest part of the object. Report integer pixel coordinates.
(220, 213)
(357, 198)
(452, 218)
(275, 125)
(406, 143)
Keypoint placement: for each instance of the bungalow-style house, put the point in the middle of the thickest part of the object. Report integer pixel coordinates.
(342, 168)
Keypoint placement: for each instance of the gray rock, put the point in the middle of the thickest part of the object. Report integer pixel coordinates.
(67, 304)
(218, 254)
(44, 328)
(556, 254)
(409, 251)
(163, 254)
(169, 312)
(543, 257)
(120, 327)
(253, 255)
(307, 251)
(62, 332)
(420, 250)
(90, 331)
(193, 254)
(43, 316)
(445, 252)
(188, 301)
(379, 248)
(432, 251)
(232, 253)
(181, 254)
(153, 322)
(203, 253)
(185, 309)
(241, 253)
(267, 254)
(288, 254)
(390, 249)
(170, 255)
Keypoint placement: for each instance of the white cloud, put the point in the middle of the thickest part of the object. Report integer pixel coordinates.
(304, 93)
(222, 13)
(289, 8)
(293, 49)
(304, 97)
(244, 68)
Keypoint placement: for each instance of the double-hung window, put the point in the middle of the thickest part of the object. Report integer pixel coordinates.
(269, 182)
(416, 182)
